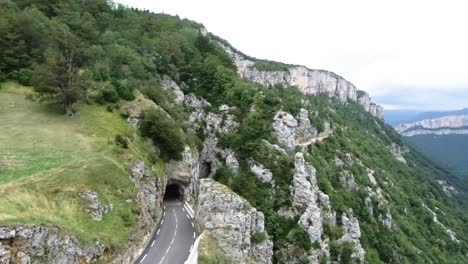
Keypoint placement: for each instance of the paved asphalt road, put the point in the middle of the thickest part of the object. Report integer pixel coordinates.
(173, 239)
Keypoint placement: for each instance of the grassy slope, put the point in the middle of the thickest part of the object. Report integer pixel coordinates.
(46, 159)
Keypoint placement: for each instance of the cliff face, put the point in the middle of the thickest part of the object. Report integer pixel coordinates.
(455, 124)
(233, 222)
(308, 81)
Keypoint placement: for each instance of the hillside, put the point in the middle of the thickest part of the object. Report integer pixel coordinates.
(282, 163)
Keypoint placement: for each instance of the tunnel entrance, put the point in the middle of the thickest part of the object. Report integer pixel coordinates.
(174, 192)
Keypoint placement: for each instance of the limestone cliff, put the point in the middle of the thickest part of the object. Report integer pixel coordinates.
(233, 222)
(308, 81)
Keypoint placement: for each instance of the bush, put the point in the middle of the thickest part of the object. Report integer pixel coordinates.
(108, 94)
(258, 237)
(300, 238)
(23, 76)
(164, 132)
(121, 141)
(123, 90)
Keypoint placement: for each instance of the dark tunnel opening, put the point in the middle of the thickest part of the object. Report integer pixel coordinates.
(205, 169)
(173, 192)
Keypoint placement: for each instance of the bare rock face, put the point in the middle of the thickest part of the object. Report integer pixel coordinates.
(95, 208)
(168, 84)
(305, 193)
(184, 172)
(292, 132)
(264, 174)
(231, 161)
(284, 126)
(305, 132)
(232, 221)
(275, 147)
(398, 151)
(212, 124)
(308, 81)
(352, 233)
(364, 100)
(448, 189)
(43, 244)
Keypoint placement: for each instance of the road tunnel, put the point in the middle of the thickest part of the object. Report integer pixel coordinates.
(174, 191)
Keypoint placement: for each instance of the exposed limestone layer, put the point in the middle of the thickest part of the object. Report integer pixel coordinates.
(308, 81)
(44, 244)
(232, 221)
(455, 124)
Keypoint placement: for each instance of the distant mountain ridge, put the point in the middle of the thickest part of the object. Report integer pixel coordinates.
(438, 114)
(436, 123)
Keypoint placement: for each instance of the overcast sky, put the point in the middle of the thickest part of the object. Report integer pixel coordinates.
(406, 54)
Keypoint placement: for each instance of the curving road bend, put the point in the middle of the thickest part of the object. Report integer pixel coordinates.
(173, 240)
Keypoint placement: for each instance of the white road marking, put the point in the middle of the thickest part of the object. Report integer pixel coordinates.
(192, 224)
(157, 233)
(164, 213)
(183, 209)
(188, 216)
(191, 248)
(152, 244)
(173, 238)
(193, 234)
(162, 221)
(143, 258)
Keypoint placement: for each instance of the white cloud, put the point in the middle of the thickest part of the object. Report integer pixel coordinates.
(420, 45)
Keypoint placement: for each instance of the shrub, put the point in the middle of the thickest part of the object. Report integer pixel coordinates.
(121, 141)
(300, 238)
(258, 237)
(123, 90)
(23, 76)
(108, 94)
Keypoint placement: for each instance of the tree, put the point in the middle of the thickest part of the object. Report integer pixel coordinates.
(165, 133)
(57, 79)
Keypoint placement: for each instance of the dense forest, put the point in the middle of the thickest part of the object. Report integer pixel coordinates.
(100, 53)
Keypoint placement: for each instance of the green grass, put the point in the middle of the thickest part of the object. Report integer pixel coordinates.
(46, 159)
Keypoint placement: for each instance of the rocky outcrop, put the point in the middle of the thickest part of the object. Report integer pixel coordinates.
(233, 222)
(169, 85)
(44, 244)
(448, 189)
(449, 231)
(292, 132)
(398, 151)
(454, 124)
(352, 233)
(308, 81)
(305, 132)
(347, 180)
(95, 207)
(305, 194)
(284, 127)
(150, 193)
(212, 124)
(264, 174)
(184, 173)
